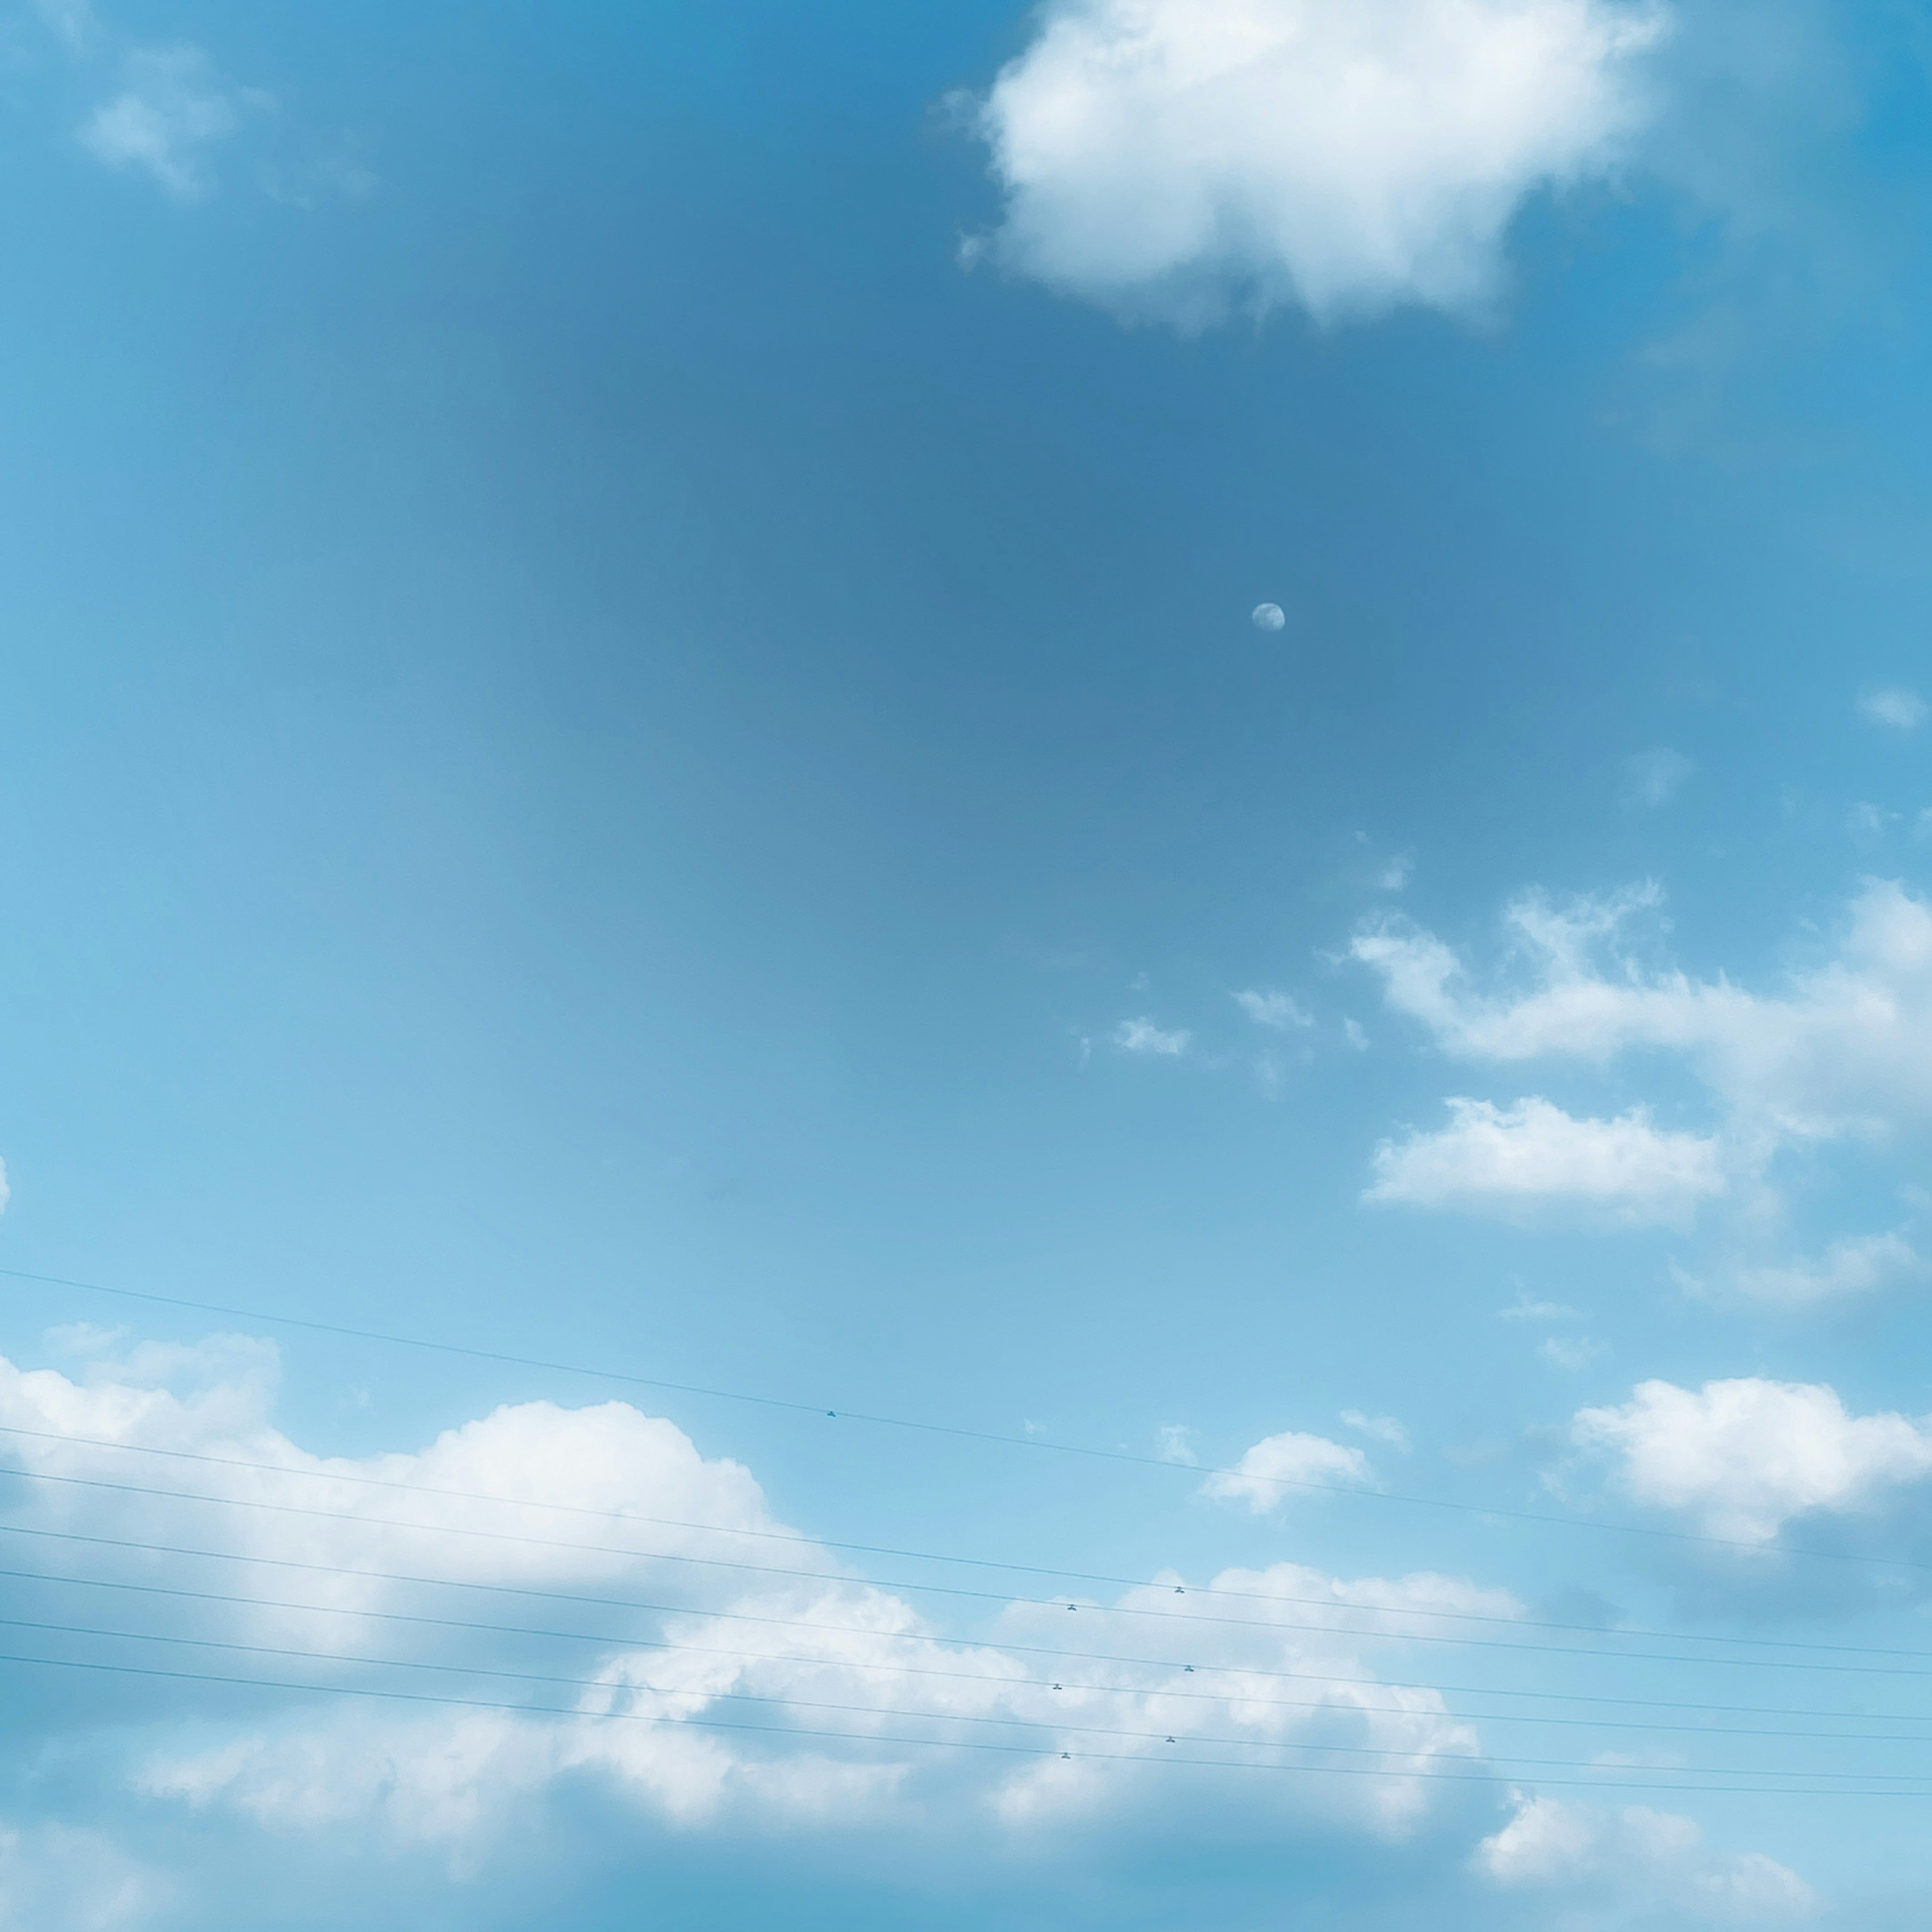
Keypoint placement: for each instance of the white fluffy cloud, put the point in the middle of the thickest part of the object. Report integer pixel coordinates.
(1638, 1861)
(1845, 1048)
(1522, 1160)
(1270, 1471)
(1743, 1457)
(608, 1498)
(1841, 1051)
(1174, 157)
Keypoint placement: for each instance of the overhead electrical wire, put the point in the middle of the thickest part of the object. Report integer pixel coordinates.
(739, 1530)
(958, 1432)
(1059, 1727)
(1836, 1782)
(1185, 1665)
(1068, 1685)
(282, 1469)
(946, 1744)
(1167, 1616)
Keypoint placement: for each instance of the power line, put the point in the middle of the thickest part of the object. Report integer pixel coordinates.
(929, 1744)
(1059, 1728)
(1184, 1666)
(1164, 1692)
(282, 1469)
(957, 1432)
(957, 1590)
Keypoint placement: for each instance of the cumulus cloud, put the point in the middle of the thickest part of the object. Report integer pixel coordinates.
(1175, 158)
(1277, 1464)
(171, 112)
(689, 1694)
(1638, 1860)
(1142, 1036)
(1533, 1158)
(1743, 1457)
(1893, 706)
(1845, 1048)
(1841, 1051)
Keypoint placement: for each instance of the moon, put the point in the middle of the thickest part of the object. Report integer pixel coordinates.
(1269, 617)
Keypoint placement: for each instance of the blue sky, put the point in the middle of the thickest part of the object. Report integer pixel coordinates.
(632, 739)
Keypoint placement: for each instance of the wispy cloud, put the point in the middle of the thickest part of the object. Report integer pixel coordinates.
(1842, 1052)
(171, 112)
(1379, 1428)
(1853, 1265)
(1569, 1352)
(1142, 1036)
(165, 113)
(1524, 1310)
(72, 20)
(1654, 778)
(1893, 706)
(1281, 1011)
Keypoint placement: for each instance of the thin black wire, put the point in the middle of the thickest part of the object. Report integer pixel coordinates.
(1059, 1728)
(1271, 1674)
(953, 1430)
(889, 1550)
(978, 1596)
(938, 1589)
(927, 1744)
(979, 1677)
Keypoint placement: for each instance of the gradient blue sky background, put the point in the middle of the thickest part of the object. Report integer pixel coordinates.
(631, 735)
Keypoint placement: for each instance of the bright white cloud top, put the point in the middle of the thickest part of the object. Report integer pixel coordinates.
(1744, 1456)
(1533, 1156)
(738, 1699)
(1178, 157)
(1275, 1467)
(1845, 1048)
(1840, 1053)
(1584, 1854)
